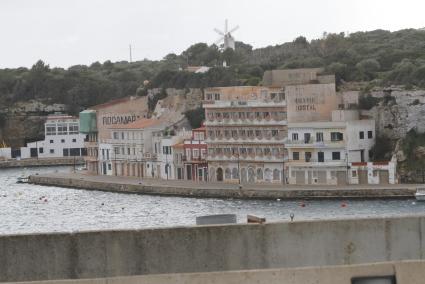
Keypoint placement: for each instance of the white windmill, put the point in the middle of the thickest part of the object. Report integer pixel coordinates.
(226, 37)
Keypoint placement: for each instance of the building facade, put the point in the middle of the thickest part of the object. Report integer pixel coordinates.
(97, 121)
(245, 129)
(195, 156)
(62, 139)
(128, 151)
(322, 152)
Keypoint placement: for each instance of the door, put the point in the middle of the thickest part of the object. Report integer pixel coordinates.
(189, 172)
(33, 152)
(219, 174)
(384, 177)
(104, 168)
(300, 177)
(320, 157)
(362, 176)
(341, 178)
(321, 177)
(307, 137)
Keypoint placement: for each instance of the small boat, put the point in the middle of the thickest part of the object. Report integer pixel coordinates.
(420, 194)
(22, 180)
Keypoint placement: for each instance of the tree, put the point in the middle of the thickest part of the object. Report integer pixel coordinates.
(367, 68)
(195, 117)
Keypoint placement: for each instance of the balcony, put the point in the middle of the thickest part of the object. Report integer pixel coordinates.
(313, 143)
(318, 163)
(280, 158)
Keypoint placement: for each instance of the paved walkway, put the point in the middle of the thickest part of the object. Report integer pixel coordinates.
(221, 185)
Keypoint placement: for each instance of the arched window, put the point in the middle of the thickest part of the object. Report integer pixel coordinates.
(268, 174)
(259, 174)
(227, 174)
(276, 174)
(212, 174)
(235, 173)
(251, 175)
(243, 175)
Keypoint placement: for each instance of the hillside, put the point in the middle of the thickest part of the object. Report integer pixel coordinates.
(379, 56)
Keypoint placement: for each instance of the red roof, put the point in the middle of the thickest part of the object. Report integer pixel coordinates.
(113, 102)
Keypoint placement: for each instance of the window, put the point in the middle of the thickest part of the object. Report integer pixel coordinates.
(116, 136)
(257, 133)
(307, 156)
(62, 140)
(52, 151)
(122, 135)
(203, 153)
(227, 173)
(51, 141)
(274, 133)
(216, 97)
(370, 134)
(196, 153)
(361, 134)
(73, 129)
(320, 157)
(276, 174)
(307, 137)
(295, 136)
(235, 173)
(353, 173)
(128, 151)
(116, 150)
(336, 156)
(40, 150)
(62, 129)
(296, 156)
(337, 136)
(374, 280)
(65, 152)
(259, 174)
(74, 140)
(50, 129)
(110, 167)
(319, 136)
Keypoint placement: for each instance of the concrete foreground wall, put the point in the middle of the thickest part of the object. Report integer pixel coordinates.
(209, 248)
(410, 272)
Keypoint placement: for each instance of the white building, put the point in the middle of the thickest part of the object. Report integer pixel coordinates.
(163, 141)
(129, 150)
(321, 152)
(62, 139)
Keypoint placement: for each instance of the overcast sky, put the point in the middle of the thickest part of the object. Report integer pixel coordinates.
(65, 33)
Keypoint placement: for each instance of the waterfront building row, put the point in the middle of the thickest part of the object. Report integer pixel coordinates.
(298, 130)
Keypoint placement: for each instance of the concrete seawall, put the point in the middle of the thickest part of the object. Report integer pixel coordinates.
(66, 161)
(210, 248)
(174, 188)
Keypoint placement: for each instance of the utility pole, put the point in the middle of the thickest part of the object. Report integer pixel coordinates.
(131, 57)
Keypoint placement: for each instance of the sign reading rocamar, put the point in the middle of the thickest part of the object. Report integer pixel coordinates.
(119, 119)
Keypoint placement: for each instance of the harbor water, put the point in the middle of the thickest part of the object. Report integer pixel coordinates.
(29, 208)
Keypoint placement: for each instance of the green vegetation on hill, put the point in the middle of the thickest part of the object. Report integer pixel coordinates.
(383, 56)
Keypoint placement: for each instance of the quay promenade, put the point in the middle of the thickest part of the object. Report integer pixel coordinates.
(220, 190)
(42, 162)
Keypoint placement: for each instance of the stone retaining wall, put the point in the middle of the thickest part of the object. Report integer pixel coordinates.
(199, 191)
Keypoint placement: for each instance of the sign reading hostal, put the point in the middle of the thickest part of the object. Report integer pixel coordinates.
(313, 102)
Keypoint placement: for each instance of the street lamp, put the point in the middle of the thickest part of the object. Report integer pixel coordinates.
(239, 171)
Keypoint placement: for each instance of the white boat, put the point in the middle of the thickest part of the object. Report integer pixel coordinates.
(420, 194)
